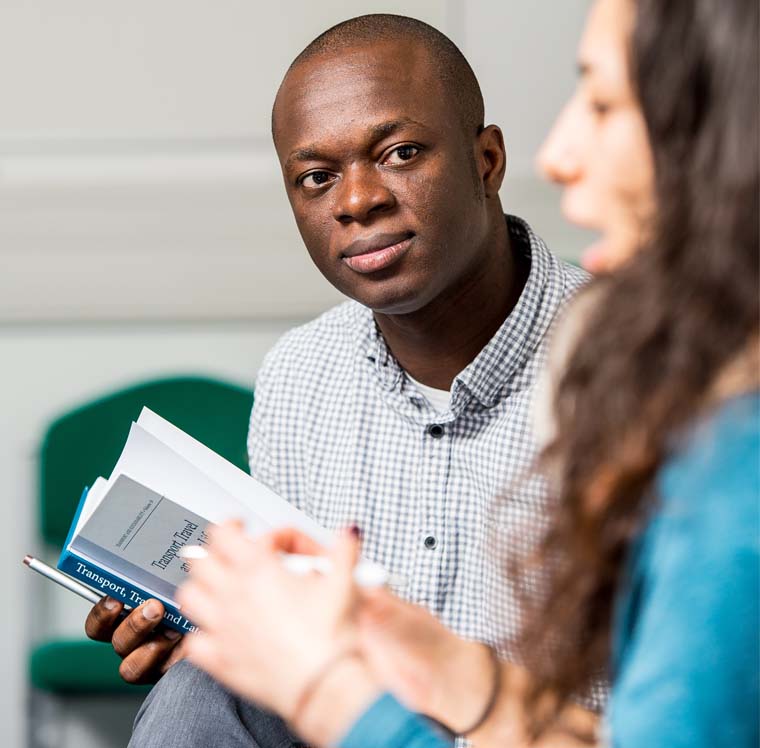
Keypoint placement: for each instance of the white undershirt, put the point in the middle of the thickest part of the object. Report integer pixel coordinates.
(439, 399)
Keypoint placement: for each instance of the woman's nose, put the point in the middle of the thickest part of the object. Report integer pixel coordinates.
(558, 158)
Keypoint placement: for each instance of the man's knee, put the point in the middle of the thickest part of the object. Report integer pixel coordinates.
(187, 708)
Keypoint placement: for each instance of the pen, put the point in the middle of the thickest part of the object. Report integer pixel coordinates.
(60, 578)
(298, 563)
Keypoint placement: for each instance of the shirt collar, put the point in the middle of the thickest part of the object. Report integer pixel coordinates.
(387, 369)
(515, 341)
(521, 333)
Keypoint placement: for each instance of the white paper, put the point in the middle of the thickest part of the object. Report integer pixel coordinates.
(94, 497)
(149, 461)
(273, 509)
(170, 462)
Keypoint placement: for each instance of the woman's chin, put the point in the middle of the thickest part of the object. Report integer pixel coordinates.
(605, 255)
(598, 257)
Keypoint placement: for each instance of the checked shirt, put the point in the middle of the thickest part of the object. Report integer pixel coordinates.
(444, 499)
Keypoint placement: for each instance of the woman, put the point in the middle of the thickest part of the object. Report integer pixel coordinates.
(653, 444)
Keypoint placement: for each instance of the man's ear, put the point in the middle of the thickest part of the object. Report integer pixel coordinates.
(491, 158)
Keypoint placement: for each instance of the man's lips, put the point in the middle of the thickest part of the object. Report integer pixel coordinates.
(376, 252)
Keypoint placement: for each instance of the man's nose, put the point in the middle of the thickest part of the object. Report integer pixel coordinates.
(361, 193)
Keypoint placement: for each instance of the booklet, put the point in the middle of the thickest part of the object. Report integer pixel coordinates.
(164, 492)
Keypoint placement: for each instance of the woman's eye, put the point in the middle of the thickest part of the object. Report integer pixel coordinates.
(316, 179)
(401, 154)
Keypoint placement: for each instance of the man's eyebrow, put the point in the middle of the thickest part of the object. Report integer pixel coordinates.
(388, 128)
(376, 132)
(309, 153)
(584, 68)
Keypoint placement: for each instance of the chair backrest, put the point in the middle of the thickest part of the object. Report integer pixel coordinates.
(85, 443)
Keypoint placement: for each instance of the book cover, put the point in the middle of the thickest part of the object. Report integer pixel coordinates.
(108, 583)
(128, 548)
(164, 492)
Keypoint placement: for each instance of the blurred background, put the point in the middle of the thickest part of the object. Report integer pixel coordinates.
(145, 233)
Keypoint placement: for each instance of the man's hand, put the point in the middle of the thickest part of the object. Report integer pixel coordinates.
(146, 654)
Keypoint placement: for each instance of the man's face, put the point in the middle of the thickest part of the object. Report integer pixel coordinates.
(380, 175)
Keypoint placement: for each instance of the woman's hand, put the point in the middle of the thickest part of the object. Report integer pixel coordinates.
(425, 665)
(271, 635)
(435, 672)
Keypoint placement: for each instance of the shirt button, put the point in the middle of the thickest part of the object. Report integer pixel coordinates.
(435, 430)
(431, 542)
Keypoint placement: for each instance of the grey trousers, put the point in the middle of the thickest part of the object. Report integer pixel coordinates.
(188, 709)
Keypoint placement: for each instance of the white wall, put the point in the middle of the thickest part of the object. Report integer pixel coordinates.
(47, 369)
(137, 177)
(143, 226)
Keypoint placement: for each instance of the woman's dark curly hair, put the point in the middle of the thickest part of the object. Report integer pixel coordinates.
(667, 324)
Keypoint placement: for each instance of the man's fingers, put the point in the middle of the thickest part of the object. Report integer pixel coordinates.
(145, 664)
(178, 653)
(103, 619)
(137, 627)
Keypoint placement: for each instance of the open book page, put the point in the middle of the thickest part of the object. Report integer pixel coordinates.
(273, 509)
(94, 497)
(149, 461)
(180, 472)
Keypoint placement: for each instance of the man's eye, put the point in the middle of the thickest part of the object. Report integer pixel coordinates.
(316, 179)
(401, 154)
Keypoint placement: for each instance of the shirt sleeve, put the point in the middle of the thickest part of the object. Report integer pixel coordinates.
(388, 724)
(260, 460)
(688, 675)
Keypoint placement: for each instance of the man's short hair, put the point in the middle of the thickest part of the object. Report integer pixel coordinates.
(454, 71)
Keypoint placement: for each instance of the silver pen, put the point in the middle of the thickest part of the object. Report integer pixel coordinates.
(298, 563)
(60, 578)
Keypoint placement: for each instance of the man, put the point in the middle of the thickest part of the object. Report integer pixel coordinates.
(406, 413)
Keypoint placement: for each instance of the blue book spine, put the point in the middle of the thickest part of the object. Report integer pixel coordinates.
(106, 583)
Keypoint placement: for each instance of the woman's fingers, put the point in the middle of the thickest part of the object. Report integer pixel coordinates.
(201, 605)
(202, 650)
(380, 607)
(230, 544)
(290, 540)
(344, 556)
(213, 575)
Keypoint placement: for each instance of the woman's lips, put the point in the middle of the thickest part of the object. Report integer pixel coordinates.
(378, 259)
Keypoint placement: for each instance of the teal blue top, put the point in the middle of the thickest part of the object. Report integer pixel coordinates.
(686, 659)
(387, 724)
